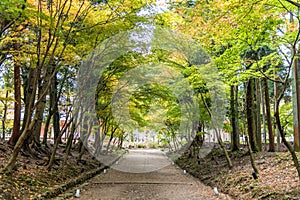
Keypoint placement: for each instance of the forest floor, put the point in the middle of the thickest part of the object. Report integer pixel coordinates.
(277, 178)
(31, 179)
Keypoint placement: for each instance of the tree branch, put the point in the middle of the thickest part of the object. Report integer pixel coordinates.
(294, 3)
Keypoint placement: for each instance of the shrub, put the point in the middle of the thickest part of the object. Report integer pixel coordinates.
(153, 145)
(141, 146)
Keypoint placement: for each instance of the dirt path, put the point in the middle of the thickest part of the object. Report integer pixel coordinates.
(167, 182)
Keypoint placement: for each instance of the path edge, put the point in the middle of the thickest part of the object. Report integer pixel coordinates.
(55, 192)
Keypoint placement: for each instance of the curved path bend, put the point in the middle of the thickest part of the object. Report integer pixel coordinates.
(146, 174)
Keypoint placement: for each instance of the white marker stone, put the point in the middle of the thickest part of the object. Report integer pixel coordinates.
(216, 191)
(77, 193)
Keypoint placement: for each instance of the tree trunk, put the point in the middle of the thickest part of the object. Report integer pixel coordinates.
(234, 119)
(121, 139)
(251, 156)
(17, 110)
(296, 105)
(29, 85)
(276, 104)
(30, 89)
(268, 116)
(56, 117)
(250, 115)
(286, 143)
(52, 157)
(12, 161)
(83, 148)
(70, 141)
(217, 132)
(4, 116)
(258, 115)
(263, 115)
(43, 89)
(237, 114)
(47, 124)
(74, 125)
(29, 122)
(110, 139)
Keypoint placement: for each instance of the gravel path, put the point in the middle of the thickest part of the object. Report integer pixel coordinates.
(166, 182)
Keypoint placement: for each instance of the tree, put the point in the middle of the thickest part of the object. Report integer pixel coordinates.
(6, 99)
(17, 108)
(13, 12)
(268, 116)
(234, 118)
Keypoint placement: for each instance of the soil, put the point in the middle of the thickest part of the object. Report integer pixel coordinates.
(30, 178)
(277, 178)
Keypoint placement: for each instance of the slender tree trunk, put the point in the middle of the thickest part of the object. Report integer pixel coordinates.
(83, 147)
(217, 132)
(36, 131)
(52, 157)
(56, 117)
(296, 104)
(4, 116)
(82, 150)
(286, 143)
(99, 138)
(250, 114)
(47, 125)
(263, 115)
(237, 114)
(251, 156)
(234, 119)
(110, 139)
(70, 141)
(121, 139)
(258, 114)
(276, 104)
(77, 118)
(17, 110)
(269, 118)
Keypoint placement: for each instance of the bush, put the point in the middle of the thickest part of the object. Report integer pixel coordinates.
(153, 145)
(163, 145)
(141, 146)
(131, 146)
